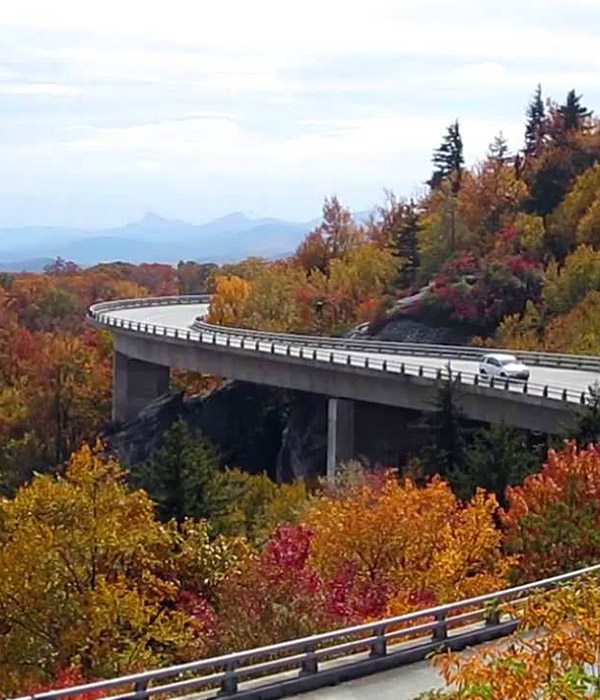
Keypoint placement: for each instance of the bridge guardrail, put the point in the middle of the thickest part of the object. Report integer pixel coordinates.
(453, 625)
(463, 352)
(336, 350)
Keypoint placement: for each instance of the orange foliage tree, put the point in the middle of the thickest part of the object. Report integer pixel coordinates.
(552, 521)
(554, 653)
(331, 239)
(408, 546)
(159, 280)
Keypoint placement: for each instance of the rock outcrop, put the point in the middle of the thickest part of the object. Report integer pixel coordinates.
(244, 421)
(408, 330)
(303, 452)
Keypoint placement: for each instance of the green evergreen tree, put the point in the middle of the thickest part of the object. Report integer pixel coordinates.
(448, 430)
(498, 149)
(535, 128)
(574, 115)
(405, 245)
(183, 476)
(499, 456)
(448, 160)
(586, 426)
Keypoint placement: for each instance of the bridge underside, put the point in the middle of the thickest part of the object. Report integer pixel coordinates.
(142, 371)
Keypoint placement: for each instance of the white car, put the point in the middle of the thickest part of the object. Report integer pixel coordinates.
(504, 366)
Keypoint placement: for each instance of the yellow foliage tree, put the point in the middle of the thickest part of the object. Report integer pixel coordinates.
(566, 285)
(576, 218)
(577, 331)
(521, 332)
(490, 195)
(80, 579)
(271, 303)
(531, 232)
(228, 304)
(363, 274)
(422, 544)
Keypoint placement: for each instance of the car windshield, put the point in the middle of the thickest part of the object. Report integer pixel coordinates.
(507, 361)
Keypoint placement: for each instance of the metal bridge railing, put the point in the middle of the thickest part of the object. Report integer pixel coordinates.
(543, 359)
(339, 351)
(257, 673)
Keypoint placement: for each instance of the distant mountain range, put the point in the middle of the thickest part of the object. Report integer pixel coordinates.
(151, 239)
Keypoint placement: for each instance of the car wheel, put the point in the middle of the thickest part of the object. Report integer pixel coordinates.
(482, 370)
(503, 375)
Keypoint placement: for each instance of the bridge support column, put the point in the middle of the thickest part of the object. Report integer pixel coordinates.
(340, 433)
(135, 384)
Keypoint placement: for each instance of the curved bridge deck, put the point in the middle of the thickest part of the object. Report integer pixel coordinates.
(166, 332)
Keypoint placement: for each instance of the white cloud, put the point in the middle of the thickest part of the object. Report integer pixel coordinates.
(484, 74)
(38, 89)
(311, 94)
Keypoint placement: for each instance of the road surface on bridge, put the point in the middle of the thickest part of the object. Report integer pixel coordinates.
(183, 316)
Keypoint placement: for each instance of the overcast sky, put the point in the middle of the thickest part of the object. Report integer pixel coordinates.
(194, 109)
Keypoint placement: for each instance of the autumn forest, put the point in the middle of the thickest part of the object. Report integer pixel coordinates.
(107, 570)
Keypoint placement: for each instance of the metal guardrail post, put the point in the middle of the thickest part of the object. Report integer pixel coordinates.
(492, 617)
(565, 395)
(229, 684)
(310, 663)
(141, 690)
(545, 391)
(420, 370)
(441, 631)
(379, 647)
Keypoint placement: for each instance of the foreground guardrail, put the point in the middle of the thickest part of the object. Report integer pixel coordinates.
(338, 350)
(299, 664)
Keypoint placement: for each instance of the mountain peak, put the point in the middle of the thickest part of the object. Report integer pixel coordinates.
(151, 217)
(234, 217)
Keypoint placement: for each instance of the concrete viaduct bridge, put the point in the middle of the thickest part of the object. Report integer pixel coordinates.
(153, 334)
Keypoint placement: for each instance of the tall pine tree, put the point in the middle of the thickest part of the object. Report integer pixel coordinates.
(574, 115)
(448, 160)
(535, 129)
(497, 457)
(182, 477)
(498, 149)
(404, 245)
(447, 430)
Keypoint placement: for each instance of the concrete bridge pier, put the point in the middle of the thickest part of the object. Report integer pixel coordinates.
(340, 433)
(135, 384)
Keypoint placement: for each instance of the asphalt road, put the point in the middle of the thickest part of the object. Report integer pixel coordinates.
(404, 683)
(182, 317)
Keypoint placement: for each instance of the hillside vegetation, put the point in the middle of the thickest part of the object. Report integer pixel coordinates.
(508, 249)
(105, 572)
